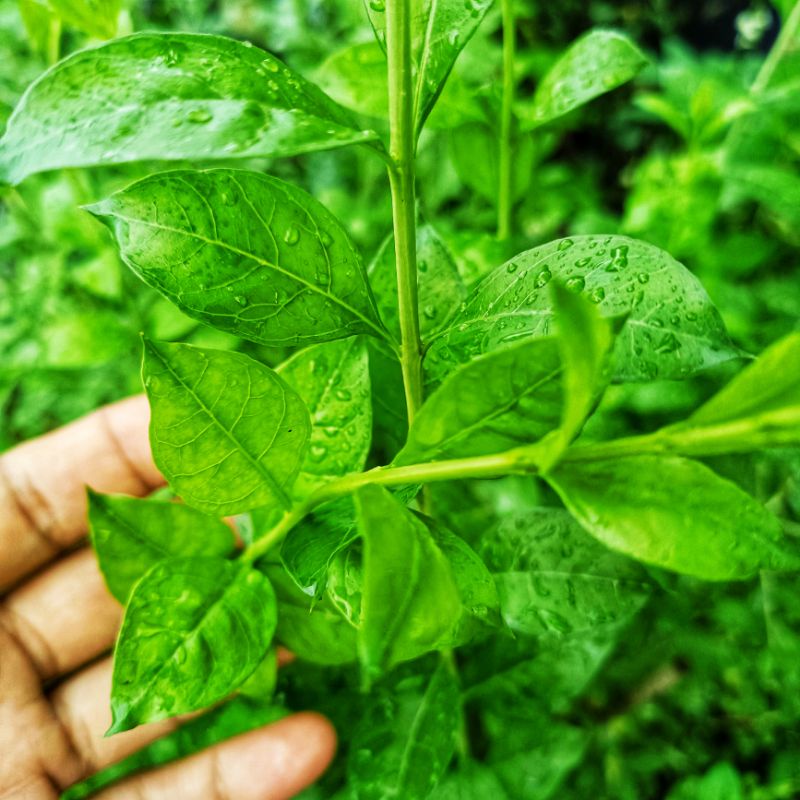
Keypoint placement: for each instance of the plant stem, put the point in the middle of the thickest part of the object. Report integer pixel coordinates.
(492, 466)
(785, 40)
(505, 188)
(401, 178)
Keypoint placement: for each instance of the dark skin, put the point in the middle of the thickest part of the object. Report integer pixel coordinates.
(58, 622)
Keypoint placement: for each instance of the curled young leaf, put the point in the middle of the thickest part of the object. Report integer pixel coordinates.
(194, 630)
(585, 341)
(321, 633)
(166, 96)
(227, 433)
(245, 253)
(672, 328)
(130, 535)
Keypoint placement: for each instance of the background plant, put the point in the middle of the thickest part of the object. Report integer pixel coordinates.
(501, 632)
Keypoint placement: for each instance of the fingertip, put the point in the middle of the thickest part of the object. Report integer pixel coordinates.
(279, 761)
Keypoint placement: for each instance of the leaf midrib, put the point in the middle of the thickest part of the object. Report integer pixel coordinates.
(277, 490)
(245, 254)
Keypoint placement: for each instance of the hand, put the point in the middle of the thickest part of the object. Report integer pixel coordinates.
(56, 623)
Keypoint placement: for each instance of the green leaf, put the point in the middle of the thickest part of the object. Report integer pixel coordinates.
(356, 77)
(310, 546)
(585, 341)
(672, 329)
(231, 719)
(500, 400)
(532, 754)
(333, 381)
(226, 432)
(410, 599)
(476, 586)
(406, 739)
(322, 634)
(165, 96)
(762, 401)
(244, 252)
(553, 579)
(388, 402)
(473, 781)
(674, 513)
(439, 31)
(194, 630)
(130, 535)
(95, 17)
(438, 279)
(594, 64)
(539, 602)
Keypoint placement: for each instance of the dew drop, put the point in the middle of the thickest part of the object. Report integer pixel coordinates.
(199, 115)
(583, 262)
(511, 268)
(269, 65)
(241, 299)
(343, 395)
(575, 284)
(377, 5)
(543, 278)
(565, 244)
(317, 452)
(643, 277)
(429, 312)
(292, 235)
(597, 295)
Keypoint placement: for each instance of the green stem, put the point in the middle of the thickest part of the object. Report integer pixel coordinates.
(505, 175)
(54, 40)
(785, 40)
(401, 179)
(492, 466)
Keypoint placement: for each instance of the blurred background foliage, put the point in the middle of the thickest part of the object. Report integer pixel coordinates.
(699, 696)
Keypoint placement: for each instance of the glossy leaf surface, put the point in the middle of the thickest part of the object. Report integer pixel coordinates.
(320, 634)
(194, 630)
(495, 402)
(672, 329)
(438, 279)
(674, 513)
(405, 741)
(245, 253)
(130, 535)
(226, 432)
(553, 579)
(166, 96)
(333, 381)
(410, 599)
(595, 64)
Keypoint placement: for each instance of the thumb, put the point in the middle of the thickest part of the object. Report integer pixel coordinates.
(271, 763)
